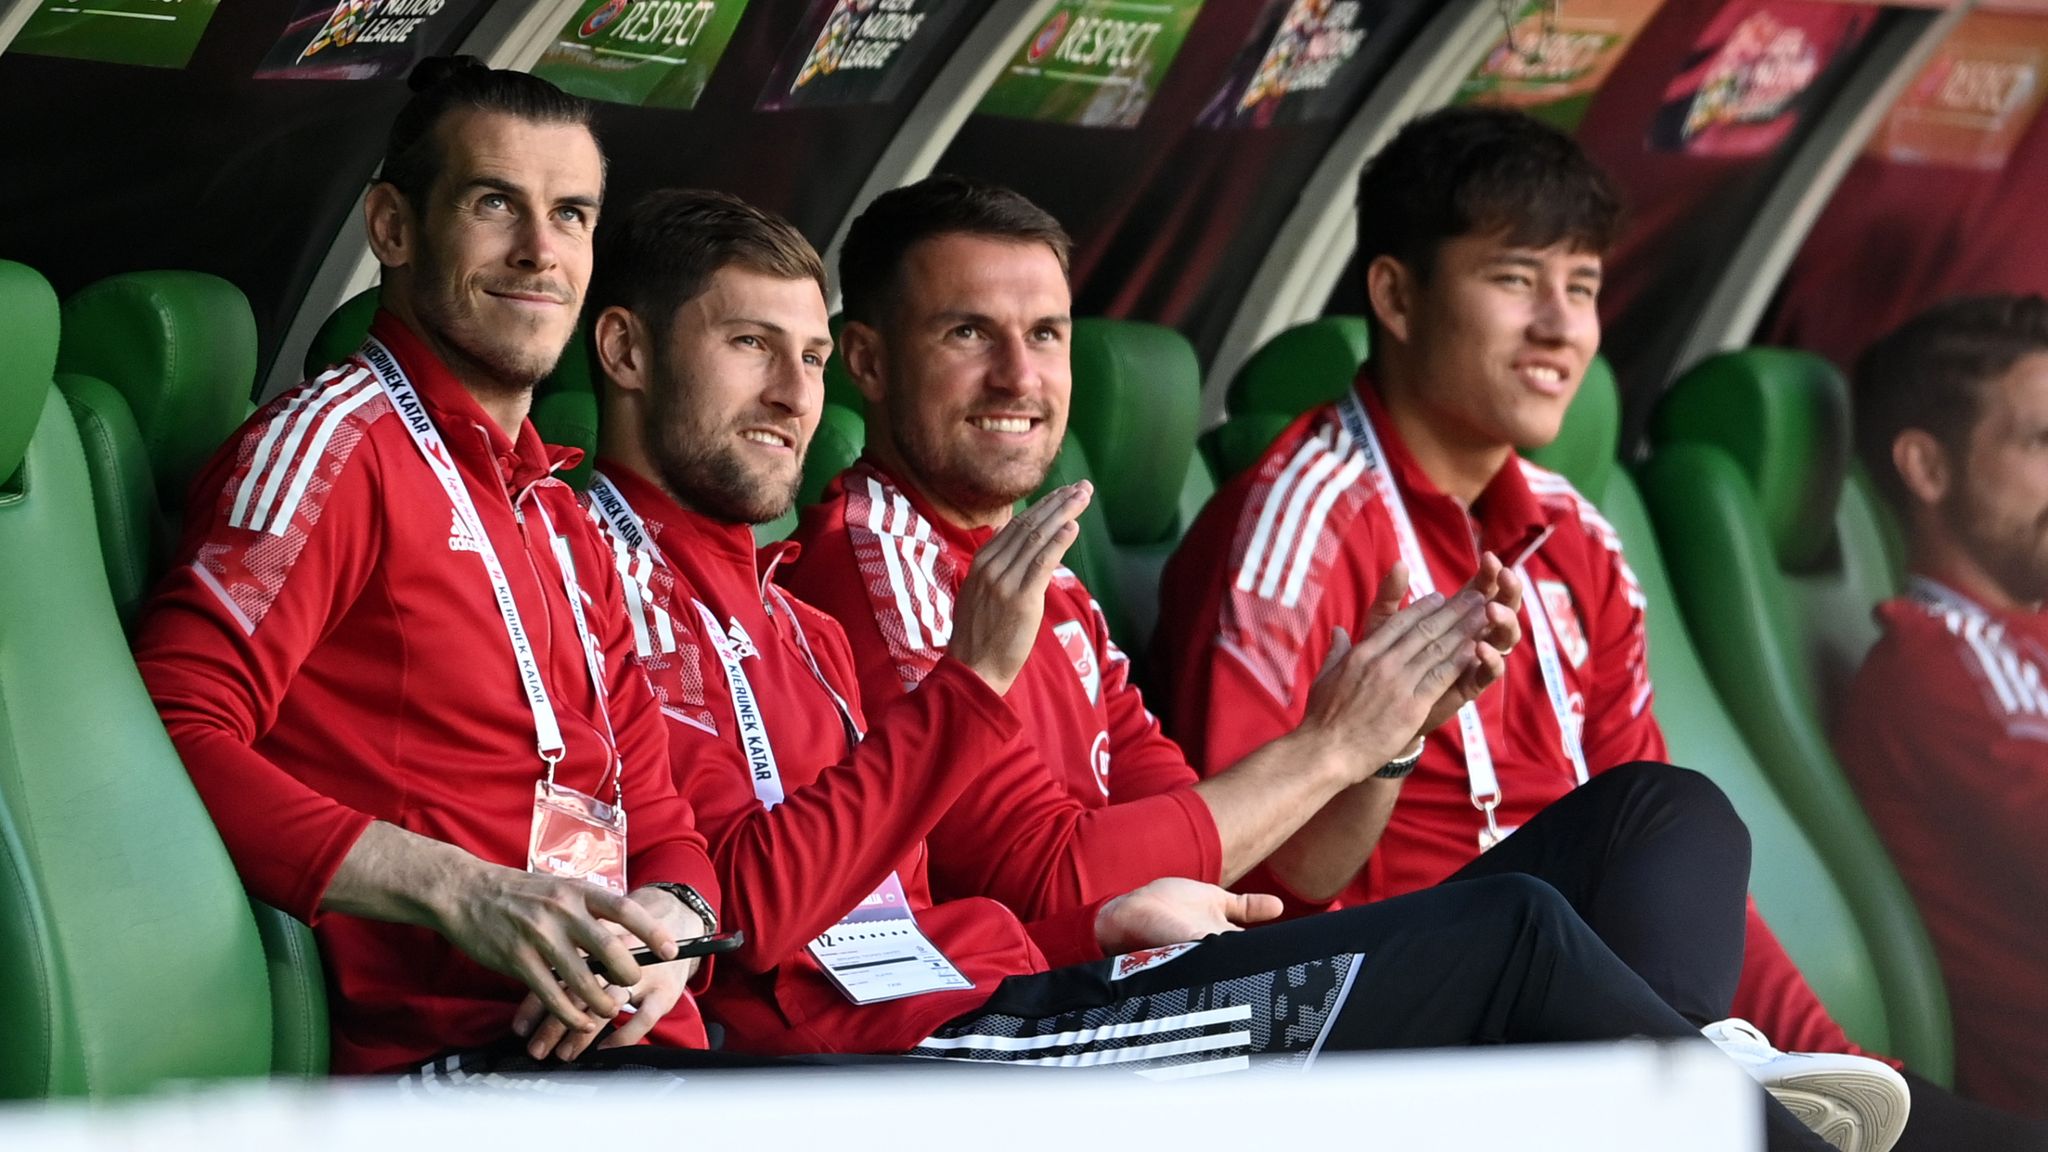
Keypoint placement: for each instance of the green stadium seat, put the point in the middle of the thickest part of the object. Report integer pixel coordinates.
(839, 387)
(1092, 555)
(342, 334)
(565, 405)
(1778, 556)
(842, 433)
(1136, 408)
(1808, 909)
(834, 447)
(842, 428)
(837, 443)
(157, 367)
(569, 418)
(1307, 365)
(135, 535)
(131, 956)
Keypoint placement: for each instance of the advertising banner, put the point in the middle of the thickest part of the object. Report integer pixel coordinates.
(1094, 63)
(655, 53)
(1971, 104)
(1555, 59)
(359, 39)
(1302, 64)
(158, 33)
(857, 51)
(1750, 72)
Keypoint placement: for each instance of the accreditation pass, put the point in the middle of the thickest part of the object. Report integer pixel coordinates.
(877, 952)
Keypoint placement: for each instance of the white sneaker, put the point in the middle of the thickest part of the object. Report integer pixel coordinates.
(1853, 1102)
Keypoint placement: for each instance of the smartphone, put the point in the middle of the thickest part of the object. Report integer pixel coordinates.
(694, 946)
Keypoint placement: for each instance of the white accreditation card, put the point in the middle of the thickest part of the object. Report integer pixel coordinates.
(879, 953)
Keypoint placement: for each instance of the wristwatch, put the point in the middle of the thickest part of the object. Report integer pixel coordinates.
(1395, 769)
(692, 901)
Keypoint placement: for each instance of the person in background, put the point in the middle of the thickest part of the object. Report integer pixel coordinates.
(1945, 729)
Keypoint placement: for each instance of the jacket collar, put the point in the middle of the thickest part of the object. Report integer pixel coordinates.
(1507, 513)
(690, 540)
(467, 429)
(966, 541)
(1941, 592)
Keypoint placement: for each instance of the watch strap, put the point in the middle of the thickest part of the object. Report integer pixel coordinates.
(1396, 769)
(692, 900)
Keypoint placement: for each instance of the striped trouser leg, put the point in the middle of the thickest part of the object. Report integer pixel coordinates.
(1140, 1017)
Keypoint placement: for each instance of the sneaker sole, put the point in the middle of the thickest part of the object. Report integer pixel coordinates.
(1852, 1110)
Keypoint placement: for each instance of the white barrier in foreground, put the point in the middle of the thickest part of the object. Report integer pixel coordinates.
(1591, 1098)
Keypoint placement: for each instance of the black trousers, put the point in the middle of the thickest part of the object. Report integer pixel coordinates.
(1656, 862)
(1488, 960)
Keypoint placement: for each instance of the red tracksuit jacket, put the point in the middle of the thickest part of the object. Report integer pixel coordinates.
(852, 813)
(1098, 800)
(1297, 546)
(327, 652)
(1945, 737)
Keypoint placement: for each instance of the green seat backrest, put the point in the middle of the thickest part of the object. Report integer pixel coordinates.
(1137, 404)
(842, 434)
(342, 334)
(181, 348)
(835, 445)
(1091, 557)
(1306, 365)
(135, 536)
(130, 955)
(1807, 909)
(839, 387)
(157, 367)
(1292, 372)
(1583, 452)
(842, 428)
(564, 405)
(1778, 560)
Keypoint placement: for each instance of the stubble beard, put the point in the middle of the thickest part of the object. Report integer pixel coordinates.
(2016, 559)
(978, 488)
(502, 368)
(702, 468)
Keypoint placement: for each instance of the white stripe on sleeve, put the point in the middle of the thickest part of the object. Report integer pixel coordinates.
(311, 460)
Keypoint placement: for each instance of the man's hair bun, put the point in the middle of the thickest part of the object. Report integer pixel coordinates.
(445, 85)
(435, 71)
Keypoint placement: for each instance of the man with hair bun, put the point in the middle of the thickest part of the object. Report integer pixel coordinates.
(392, 655)
(1945, 732)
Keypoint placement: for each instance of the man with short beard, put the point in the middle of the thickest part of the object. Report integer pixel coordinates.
(1945, 733)
(392, 656)
(709, 332)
